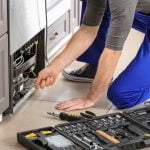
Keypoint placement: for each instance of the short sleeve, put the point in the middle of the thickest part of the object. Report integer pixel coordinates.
(94, 12)
(122, 12)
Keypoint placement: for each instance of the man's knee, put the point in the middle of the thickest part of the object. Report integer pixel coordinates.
(123, 98)
(119, 97)
(114, 95)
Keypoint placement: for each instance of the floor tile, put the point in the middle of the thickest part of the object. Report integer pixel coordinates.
(12, 147)
(31, 116)
(61, 91)
(113, 109)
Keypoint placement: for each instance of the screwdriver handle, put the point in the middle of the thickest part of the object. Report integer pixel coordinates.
(69, 117)
(107, 136)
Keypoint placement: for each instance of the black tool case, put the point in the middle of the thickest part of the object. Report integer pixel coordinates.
(39, 142)
(141, 116)
(124, 128)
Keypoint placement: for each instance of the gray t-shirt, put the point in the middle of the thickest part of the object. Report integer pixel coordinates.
(122, 15)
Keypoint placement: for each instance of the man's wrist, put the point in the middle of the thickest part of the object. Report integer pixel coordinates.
(54, 67)
(94, 96)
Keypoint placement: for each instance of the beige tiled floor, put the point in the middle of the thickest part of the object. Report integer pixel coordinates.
(33, 113)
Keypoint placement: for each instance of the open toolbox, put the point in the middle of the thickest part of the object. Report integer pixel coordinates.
(141, 116)
(45, 139)
(109, 132)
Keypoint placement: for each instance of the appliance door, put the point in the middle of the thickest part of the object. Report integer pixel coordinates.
(27, 17)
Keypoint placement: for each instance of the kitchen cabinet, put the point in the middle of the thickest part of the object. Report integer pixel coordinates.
(62, 19)
(57, 31)
(3, 17)
(74, 14)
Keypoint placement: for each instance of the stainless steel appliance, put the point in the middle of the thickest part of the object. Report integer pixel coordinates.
(27, 23)
(27, 18)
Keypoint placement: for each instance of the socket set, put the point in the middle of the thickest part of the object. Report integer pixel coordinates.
(118, 131)
(140, 115)
(109, 132)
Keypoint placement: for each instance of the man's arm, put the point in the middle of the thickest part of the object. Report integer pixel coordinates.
(106, 68)
(78, 44)
(105, 71)
(81, 41)
(122, 12)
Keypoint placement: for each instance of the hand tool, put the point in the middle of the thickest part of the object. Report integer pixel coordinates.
(104, 134)
(134, 130)
(102, 140)
(147, 134)
(86, 139)
(30, 135)
(46, 132)
(80, 140)
(65, 116)
(120, 133)
(147, 104)
(92, 145)
(88, 114)
(118, 116)
(111, 118)
(147, 122)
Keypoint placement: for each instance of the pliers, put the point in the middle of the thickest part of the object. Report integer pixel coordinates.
(88, 114)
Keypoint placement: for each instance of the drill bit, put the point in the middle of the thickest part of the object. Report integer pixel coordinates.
(53, 114)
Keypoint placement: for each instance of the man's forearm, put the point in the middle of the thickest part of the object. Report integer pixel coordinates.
(105, 71)
(78, 44)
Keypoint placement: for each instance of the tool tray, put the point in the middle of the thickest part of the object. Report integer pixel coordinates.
(39, 142)
(84, 134)
(141, 116)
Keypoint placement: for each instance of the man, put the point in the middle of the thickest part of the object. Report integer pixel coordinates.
(126, 91)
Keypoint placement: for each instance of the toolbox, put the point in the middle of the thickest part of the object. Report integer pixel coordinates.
(141, 116)
(39, 139)
(129, 130)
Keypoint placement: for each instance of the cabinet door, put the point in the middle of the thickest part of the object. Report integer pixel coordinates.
(75, 14)
(3, 17)
(4, 80)
(58, 31)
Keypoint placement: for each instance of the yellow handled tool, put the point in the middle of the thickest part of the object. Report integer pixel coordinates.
(31, 135)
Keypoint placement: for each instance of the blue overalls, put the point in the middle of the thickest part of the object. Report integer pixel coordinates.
(132, 86)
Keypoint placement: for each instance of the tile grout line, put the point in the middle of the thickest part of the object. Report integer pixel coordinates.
(44, 100)
(109, 109)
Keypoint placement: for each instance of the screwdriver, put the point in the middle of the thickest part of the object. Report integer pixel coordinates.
(65, 116)
(107, 136)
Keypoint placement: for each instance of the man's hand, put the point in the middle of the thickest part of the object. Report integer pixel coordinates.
(46, 78)
(76, 104)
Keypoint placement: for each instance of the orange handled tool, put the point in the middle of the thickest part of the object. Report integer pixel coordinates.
(107, 136)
